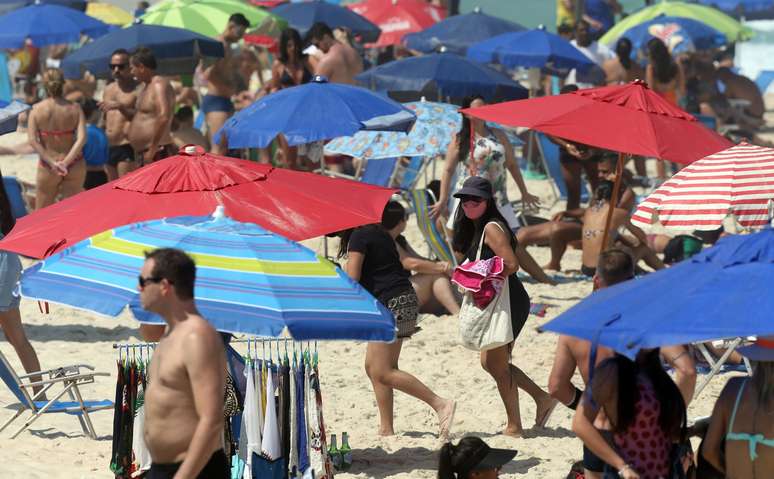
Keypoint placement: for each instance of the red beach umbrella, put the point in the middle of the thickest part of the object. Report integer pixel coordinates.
(738, 181)
(628, 118)
(294, 204)
(398, 17)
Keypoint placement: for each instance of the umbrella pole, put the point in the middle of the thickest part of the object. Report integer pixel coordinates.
(613, 202)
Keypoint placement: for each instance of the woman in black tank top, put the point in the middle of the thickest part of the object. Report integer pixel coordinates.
(477, 216)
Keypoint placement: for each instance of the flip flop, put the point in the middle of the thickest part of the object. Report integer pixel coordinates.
(544, 420)
(446, 424)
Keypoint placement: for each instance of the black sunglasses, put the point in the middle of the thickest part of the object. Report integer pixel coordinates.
(471, 199)
(144, 281)
(119, 66)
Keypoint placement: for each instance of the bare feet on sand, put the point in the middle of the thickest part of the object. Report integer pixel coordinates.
(446, 419)
(513, 431)
(385, 432)
(544, 410)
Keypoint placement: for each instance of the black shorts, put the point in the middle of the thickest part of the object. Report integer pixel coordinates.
(119, 153)
(94, 179)
(216, 468)
(591, 461)
(567, 158)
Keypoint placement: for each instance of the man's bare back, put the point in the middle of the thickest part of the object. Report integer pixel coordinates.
(340, 64)
(116, 122)
(594, 220)
(170, 411)
(145, 124)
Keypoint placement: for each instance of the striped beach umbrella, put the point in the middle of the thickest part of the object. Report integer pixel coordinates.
(248, 280)
(209, 17)
(737, 181)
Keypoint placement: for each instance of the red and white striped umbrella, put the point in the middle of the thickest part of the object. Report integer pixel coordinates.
(738, 181)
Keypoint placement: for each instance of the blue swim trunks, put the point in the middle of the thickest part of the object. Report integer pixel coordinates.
(217, 103)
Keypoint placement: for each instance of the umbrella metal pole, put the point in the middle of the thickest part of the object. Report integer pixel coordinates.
(613, 202)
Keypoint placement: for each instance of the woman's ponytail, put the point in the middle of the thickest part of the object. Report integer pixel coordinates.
(445, 467)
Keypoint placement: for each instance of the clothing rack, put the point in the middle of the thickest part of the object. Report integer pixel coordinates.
(252, 345)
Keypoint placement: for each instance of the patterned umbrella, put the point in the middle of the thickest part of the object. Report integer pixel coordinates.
(207, 17)
(436, 125)
(249, 280)
(739, 181)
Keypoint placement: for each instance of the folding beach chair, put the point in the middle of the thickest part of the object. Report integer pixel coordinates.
(716, 366)
(69, 377)
(549, 153)
(439, 245)
(378, 172)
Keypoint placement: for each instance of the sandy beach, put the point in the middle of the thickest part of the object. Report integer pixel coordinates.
(55, 446)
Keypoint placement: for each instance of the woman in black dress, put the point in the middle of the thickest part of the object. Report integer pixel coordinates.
(373, 261)
(479, 215)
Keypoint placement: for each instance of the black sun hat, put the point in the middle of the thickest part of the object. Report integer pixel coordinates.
(485, 457)
(475, 186)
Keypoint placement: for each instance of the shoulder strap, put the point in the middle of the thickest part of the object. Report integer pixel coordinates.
(483, 233)
(736, 405)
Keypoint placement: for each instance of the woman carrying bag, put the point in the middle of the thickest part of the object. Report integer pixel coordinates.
(478, 225)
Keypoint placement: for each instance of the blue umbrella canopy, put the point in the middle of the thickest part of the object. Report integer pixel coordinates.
(303, 15)
(436, 125)
(178, 50)
(457, 33)
(679, 34)
(9, 5)
(530, 49)
(46, 25)
(746, 8)
(448, 74)
(248, 280)
(722, 292)
(315, 111)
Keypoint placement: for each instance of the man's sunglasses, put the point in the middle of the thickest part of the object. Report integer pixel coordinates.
(118, 66)
(144, 281)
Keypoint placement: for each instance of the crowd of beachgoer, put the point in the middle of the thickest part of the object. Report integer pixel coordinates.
(629, 414)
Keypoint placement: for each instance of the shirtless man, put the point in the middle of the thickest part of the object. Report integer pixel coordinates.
(223, 79)
(149, 132)
(183, 131)
(118, 102)
(615, 266)
(340, 63)
(184, 401)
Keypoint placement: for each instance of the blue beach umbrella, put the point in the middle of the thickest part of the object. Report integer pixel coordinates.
(722, 292)
(47, 25)
(436, 125)
(679, 34)
(178, 50)
(248, 280)
(446, 74)
(530, 49)
(747, 8)
(303, 15)
(315, 111)
(457, 33)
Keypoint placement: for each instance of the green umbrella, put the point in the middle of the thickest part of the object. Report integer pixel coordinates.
(209, 17)
(732, 29)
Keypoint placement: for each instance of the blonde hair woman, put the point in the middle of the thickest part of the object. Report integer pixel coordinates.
(57, 132)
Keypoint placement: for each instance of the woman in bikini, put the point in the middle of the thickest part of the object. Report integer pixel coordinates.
(291, 68)
(664, 76)
(57, 133)
(740, 439)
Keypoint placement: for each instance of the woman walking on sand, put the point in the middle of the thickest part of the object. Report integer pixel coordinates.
(373, 261)
(478, 215)
(57, 133)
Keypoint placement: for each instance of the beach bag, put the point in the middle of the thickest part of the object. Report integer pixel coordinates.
(490, 327)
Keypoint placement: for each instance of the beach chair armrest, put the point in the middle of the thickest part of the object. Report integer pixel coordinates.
(64, 369)
(79, 378)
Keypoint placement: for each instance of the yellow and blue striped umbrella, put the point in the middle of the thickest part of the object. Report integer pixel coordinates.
(248, 280)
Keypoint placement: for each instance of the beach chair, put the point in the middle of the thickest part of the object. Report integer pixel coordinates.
(549, 154)
(378, 172)
(70, 378)
(718, 365)
(440, 247)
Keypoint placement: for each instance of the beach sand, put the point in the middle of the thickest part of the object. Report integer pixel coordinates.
(55, 446)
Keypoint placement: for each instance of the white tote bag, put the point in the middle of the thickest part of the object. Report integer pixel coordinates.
(488, 328)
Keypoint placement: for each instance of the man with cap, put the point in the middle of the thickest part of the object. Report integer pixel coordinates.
(472, 458)
(740, 438)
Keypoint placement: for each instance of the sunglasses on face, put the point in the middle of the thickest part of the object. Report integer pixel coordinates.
(471, 199)
(142, 281)
(118, 66)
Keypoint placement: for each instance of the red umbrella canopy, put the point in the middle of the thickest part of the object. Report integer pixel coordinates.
(294, 204)
(398, 17)
(628, 118)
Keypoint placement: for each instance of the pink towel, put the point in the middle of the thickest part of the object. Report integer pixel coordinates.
(484, 278)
